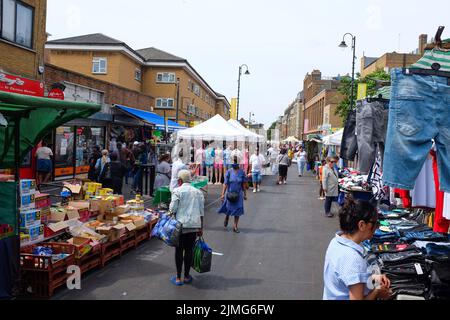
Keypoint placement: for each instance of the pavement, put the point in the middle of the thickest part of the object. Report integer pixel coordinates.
(279, 253)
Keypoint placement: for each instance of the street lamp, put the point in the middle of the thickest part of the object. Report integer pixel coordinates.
(178, 100)
(250, 115)
(343, 45)
(239, 87)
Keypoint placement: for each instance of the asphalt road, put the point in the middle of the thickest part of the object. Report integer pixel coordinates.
(278, 254)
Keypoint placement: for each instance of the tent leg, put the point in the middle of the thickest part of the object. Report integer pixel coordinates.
(15, 263)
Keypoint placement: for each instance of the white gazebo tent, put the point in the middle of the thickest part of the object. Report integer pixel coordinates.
(216, 128)
(333, 139)
(291, 139)
(248, 134)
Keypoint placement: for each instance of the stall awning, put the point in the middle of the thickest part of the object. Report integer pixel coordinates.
(37, 116)
(151, 118)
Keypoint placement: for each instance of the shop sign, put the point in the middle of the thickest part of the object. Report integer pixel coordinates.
(21, 85)
(56, 93)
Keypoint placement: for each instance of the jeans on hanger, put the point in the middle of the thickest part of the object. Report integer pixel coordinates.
(371, 127)
(349, 145)
(419, 111)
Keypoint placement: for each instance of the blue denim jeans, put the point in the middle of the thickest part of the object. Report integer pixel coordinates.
(301, 167)
(419, 111)
(256, 176)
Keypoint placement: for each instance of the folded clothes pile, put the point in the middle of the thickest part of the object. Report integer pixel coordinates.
(355, 183)
(415, 259)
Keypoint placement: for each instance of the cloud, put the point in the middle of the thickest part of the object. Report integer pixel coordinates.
(374, 20)
(73, 18)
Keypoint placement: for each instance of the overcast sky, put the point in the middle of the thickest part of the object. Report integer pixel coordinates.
(279, 40)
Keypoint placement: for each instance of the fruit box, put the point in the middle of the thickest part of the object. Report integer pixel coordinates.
(34, 231)
(30, 218)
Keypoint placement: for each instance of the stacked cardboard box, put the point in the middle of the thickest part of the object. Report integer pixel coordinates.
(43, 203)
(31, 227)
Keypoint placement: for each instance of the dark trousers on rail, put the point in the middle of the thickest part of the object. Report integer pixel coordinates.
(184, 252)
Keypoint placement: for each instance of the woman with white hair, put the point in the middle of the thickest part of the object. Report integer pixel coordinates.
(187, 205)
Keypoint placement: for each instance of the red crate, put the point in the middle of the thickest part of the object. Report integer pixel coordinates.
(128, 241)
(89, 261)
(110, 250)
(29, 261)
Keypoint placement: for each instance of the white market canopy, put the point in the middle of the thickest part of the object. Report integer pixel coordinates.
(247, 133)
(291, 139)
(216, 128)
(334, 139)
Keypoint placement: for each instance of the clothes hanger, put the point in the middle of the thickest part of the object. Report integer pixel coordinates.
(435, 67)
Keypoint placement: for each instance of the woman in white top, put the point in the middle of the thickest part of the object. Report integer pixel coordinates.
(218, 165)
(44, 163)
(301, 161)
(163, 172)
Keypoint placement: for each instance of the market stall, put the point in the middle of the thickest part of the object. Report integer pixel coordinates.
(216, 128)
(26, 120)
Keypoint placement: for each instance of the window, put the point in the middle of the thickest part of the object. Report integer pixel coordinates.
(99, 65)
(189, 85)
(16, 22)
(138, 74)
(165, 77)
(164, 103)
(196, 90)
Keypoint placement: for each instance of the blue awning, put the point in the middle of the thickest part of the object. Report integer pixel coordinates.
(151, 118)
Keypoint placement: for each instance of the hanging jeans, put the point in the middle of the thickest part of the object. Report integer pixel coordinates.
(349, 145)
(418, 112)
(371, 127)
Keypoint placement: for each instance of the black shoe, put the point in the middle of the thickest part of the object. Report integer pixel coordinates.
(236, 230)
(225, 223)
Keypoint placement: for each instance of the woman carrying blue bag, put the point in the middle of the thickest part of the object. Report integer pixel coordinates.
(187, 205)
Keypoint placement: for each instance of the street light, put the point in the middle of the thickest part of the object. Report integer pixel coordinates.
(247, 73)
(343, 45)
(178, 99)
(250, 115)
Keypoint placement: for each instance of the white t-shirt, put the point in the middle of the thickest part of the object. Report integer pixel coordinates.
(301, 156)
(257, 161)
(199, 156)
(177, 166)
(44, 153)
(273, 154)
(236, 153)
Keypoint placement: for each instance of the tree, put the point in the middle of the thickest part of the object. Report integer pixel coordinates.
(371, 79)
(269, 131)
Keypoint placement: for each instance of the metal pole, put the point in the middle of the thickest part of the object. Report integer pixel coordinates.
(353, 71)
(16, 270)
(178, 99)
(239, 89)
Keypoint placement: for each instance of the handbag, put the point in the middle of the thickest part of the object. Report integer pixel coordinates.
(202, 256)
(232, 196)
(168, 229)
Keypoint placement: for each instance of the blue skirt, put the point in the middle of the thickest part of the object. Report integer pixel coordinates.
(44, 165)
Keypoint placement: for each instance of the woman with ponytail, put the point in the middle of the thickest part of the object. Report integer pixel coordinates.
(100, 165)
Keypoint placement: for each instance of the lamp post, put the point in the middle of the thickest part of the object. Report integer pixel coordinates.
(239, 87)
(250, 115)
(178, 100)
(343, 45)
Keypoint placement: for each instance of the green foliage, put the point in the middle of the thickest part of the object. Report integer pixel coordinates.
(345, 89)
(269, 131)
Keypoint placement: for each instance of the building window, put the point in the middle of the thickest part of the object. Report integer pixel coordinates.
(164, 103)
(165, 77)
(196, 90)
(99, 65)
(16, 22)
(189, 85)
(138, 74)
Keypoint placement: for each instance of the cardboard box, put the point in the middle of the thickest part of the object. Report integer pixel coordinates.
(27, 201)
(105, 206)
(58, 215)
(122, 209)
(80, 204)
(130, 226)
(95, 204)
(72, 213)
(75, 188)
(30, 218)
(27, 186)
(120, 229)
(34, 231)
(59, 226)
(124, 217)
(82, 246)
(139, 223)
(105, 191)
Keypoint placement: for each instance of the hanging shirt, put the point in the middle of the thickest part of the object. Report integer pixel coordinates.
(177, 166)
(376, 179)
(432, 56)
(446, 213)
(424, 192)
(227, 156)
(199, 156)
(440, 223)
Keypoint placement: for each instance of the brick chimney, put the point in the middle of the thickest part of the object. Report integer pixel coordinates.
(423, 39)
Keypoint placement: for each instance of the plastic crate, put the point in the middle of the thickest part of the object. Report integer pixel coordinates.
(128, 241)
(110, 250)
(90, 261)
(29, 261)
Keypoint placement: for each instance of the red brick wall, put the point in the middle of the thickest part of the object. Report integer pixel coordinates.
(113, 94)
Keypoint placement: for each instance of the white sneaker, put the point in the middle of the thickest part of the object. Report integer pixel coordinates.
(285, 182)
(259, 189)
(254, 190)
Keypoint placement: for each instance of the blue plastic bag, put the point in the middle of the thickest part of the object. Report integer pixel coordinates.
(168, 229)
(202, 256)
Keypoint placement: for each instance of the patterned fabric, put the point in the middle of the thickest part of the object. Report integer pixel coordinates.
(437, 55)
(376, 179)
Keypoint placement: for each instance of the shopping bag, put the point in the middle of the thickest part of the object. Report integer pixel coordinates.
(202, 256)
(308, 166)
(341, 198)
(335, 208)
(168, 229)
